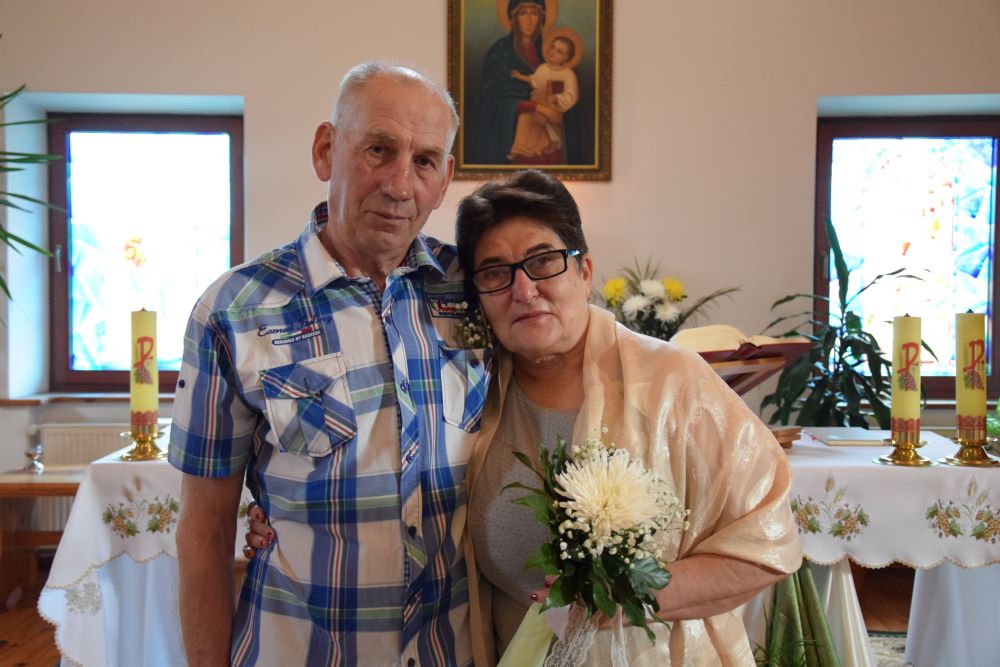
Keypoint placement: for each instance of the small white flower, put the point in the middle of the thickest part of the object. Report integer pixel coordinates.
(667, 312)
(653, 288)
(634, 305)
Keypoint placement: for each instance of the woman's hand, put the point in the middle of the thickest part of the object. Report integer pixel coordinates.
(541, 594)
(603, 622)
(260, 534)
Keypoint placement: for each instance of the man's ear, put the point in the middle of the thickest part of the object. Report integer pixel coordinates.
(449, 172)
(322, 150)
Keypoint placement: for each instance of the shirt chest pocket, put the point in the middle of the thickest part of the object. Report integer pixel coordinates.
(463, 386)
(309, 406)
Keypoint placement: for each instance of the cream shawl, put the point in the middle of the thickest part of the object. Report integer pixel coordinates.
(666, 405)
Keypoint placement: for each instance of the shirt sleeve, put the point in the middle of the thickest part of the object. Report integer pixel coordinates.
(211, 434)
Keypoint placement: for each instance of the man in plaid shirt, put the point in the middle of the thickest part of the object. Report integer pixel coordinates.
(333, 374)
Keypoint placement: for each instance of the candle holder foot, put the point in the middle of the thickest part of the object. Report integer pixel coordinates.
(972, 453)
(904, 454)
(143, 448)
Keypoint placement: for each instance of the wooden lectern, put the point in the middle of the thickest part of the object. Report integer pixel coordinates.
(745, 374)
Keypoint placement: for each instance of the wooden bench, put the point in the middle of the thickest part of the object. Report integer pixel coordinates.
(17, 540)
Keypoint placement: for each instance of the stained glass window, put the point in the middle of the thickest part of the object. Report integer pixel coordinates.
(149, 229)
(927, 205)
(149, 225)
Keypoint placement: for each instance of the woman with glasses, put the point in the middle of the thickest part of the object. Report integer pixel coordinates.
(565, 368)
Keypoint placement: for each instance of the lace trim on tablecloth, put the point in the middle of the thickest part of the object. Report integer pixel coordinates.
(873, 566)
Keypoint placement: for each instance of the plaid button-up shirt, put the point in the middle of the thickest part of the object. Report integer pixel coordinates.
(353, 412)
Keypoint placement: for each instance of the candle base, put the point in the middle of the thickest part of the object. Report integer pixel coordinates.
(143, 447)
(972, 452)
(904, 453)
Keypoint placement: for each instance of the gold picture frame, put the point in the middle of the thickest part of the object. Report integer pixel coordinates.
(532, 83)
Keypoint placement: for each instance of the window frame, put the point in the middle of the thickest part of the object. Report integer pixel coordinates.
(60, 125)
(831, 128)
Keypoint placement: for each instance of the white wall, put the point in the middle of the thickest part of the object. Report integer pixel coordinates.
(714, 108)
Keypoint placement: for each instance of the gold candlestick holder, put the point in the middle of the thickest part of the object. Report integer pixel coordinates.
(904, 452)
(972, 445)
(143, 437)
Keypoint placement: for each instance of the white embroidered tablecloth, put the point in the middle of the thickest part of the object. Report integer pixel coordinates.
(112, 589)
(846, 505)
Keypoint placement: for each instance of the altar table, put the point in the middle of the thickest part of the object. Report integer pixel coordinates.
(846, 506)
(112, 589)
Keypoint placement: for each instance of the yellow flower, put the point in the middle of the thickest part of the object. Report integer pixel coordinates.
(615, 290)
(675, 289)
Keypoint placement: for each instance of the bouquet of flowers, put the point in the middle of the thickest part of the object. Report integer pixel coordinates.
(608, 517)
(651, 305)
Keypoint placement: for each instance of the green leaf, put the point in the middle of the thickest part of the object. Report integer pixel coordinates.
(648, 575)
(563, 591)
(602, 598)
(636, 616)
(527, 462)
(523, 487)
(839, 265)
(540, 507)
(545, 558)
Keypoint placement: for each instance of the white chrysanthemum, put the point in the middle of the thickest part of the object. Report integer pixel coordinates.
(613, 498)
(634, 305)
(666, 312)
(654, 289)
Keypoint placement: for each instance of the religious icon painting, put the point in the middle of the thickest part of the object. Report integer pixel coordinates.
(532, 81)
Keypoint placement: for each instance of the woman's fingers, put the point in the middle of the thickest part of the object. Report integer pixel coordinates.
(262, 529)
(259, 534)
(542, 594)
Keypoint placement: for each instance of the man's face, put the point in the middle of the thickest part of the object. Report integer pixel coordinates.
(388, 167)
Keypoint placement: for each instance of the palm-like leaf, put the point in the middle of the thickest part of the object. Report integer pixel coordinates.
(14, 161)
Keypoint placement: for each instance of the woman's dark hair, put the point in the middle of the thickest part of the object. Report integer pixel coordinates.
(529, 194)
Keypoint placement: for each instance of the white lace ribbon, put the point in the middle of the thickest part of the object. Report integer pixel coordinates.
(573, 644)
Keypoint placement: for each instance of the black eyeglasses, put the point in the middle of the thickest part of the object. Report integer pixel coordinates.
(542, 266)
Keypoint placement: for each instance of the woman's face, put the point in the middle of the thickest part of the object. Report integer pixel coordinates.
(528, 18)
(534, 319)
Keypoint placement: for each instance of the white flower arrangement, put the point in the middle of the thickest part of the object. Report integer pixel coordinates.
(471, 331)
(651, 305)
(608, 517)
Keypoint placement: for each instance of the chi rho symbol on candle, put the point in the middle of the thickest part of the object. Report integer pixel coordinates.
(911, 356)
(145, 353)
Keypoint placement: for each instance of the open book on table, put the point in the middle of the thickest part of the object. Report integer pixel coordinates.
(742, 361)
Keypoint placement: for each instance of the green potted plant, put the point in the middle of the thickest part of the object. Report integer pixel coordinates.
(843, 370)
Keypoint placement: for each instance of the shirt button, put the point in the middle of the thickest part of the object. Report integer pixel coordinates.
(405, 386)
(181, 383)
(411, 662)
(412, 530)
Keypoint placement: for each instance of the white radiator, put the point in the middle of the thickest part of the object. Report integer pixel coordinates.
(70, 443)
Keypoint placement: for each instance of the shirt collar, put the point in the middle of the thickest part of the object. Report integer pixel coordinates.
(321, 269)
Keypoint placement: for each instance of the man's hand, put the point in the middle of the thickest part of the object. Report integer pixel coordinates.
(206, 535)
